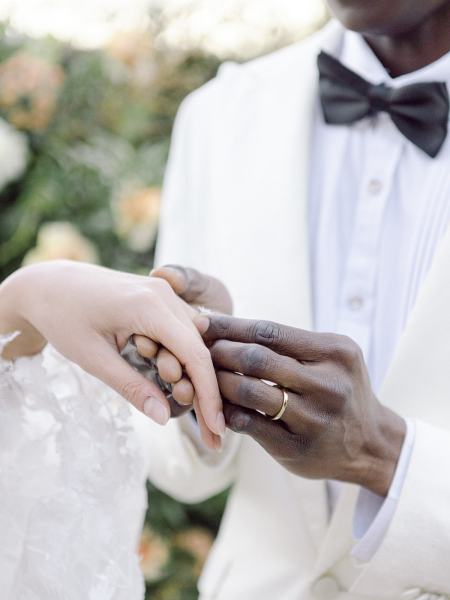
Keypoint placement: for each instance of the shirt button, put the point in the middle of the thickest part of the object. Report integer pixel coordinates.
(375, 186)
(325, 588)
(355, 303)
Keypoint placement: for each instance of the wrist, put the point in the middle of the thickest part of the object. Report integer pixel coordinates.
(385, 450)
(15, 293)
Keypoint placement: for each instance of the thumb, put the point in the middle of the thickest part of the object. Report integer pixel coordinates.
(107, 364)
(196, 288)
(187, 283)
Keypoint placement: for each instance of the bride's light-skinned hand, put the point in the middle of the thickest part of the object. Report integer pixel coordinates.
(198, 290)
(88, 313)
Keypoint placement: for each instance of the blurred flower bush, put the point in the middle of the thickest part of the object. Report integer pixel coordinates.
(84, 137)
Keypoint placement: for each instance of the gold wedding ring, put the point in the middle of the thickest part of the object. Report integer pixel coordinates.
(282, 410)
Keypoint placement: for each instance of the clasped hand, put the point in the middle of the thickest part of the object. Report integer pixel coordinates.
(333, 426)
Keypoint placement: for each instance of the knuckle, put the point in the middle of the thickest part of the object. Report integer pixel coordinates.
(345, 388)
(351, 352)
(131, 391)
(255, 358)
(344, 349)
(201, 354)
(266, 332)
(217, 349)
(246, 390)
(337, 390)
(222, 326)
(334, 346)
(196, 282)
(240, 421)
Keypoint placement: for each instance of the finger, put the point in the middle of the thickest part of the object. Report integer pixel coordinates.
(106, 364)
(210, 439)
(196, 288)
(168, 366)
(290, 341)
(180, 337)
(185, 282)
(183, 392)
(272, 435)
(257, 395)
(146, 347)
(256, 361)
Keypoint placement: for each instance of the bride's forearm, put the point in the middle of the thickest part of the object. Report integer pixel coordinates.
(14, 291)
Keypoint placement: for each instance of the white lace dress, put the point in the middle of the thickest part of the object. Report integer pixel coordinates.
(72, 485)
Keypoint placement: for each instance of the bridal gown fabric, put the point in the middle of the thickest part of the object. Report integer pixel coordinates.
(72, 484)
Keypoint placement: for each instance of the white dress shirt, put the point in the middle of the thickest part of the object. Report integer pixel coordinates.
(378, 208)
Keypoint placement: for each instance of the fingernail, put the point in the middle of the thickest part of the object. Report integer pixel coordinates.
(202, 323)
(220, 425)
(156, 410)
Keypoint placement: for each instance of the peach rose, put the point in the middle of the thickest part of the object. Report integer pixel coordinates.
(153, 553)
(29, 88)
(134, 50)
(136, 216)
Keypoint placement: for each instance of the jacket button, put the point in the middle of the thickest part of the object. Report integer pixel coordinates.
(325, 588)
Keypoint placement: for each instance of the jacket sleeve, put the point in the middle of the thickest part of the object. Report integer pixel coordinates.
(412, 561)
(177, 463)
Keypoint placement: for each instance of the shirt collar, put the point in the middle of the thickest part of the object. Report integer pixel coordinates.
(356, 55)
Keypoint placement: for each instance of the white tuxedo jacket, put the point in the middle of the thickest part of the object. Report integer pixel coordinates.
(234, 206)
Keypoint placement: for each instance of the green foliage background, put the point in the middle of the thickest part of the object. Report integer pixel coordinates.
(111, 123)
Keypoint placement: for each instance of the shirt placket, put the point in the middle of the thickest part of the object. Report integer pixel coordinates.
(358, 289)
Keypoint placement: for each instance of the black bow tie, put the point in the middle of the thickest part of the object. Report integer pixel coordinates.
(420, 110)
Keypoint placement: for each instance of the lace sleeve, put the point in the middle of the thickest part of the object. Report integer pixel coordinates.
(71, 485)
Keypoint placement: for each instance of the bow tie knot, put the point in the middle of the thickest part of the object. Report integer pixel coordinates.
(420, 111)
(379, 97)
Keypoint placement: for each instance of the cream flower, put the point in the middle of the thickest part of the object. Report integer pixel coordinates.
(61, 240)
(13, 153)
(134, 50)
(136, 217)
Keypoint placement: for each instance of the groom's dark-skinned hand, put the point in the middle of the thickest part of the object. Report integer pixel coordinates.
(333, 427)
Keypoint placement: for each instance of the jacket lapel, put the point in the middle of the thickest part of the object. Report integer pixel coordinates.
(418, 382)
(417, 386)
(265, 134)
(313, 500)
